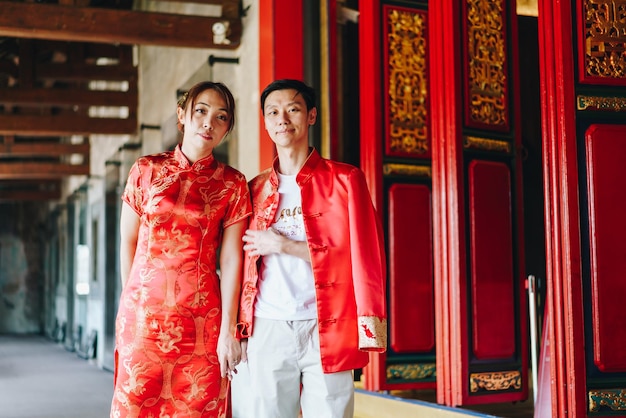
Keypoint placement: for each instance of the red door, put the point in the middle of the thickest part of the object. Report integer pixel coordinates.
(445, 168)
(583, 63)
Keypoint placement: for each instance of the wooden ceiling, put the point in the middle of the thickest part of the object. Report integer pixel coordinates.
(67, 72)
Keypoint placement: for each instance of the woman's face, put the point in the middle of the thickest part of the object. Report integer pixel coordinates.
(206, 123)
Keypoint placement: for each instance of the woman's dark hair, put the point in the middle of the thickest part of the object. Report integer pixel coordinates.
(189, 99)
(307, 93)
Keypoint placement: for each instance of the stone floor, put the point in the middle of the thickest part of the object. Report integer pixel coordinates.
(422, 403)
(41, 379)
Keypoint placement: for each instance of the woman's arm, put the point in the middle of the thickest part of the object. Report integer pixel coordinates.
(129, 231)
(231, 262)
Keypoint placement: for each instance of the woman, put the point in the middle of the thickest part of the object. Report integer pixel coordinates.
(175, 332)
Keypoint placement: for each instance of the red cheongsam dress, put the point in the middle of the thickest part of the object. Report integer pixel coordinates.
(170, 310)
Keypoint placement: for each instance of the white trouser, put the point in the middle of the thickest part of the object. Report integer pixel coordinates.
(285, 375)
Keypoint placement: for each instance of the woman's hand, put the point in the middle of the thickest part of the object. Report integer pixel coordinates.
(228, 354)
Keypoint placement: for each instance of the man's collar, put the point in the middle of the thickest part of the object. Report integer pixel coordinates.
(305, 172)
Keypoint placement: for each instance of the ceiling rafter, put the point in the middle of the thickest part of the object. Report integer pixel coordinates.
(68, 69)
(33, 190)
(130, 27)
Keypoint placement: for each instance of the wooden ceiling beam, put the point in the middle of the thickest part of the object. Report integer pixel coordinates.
(9, 68)
(32, 195)
(35, 189)
(46, 149)
(40, 170)
(64, 97)
(65, 125)
(209, 2)
(58, 22)
(85, 72)
(230, 8)
(90, 50)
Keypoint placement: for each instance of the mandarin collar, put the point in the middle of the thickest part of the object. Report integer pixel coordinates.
(202, 164)
(305, 172)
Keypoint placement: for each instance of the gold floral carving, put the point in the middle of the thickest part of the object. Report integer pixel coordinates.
(474, 142)
(392, 169)
(613, 399)
(408, 84)
(411, 371)
(584, 102)
(605, 38)
(495, 381)
(486, 54)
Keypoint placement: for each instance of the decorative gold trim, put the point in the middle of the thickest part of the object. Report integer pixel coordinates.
(495, 381)
(486, 144)
(617, 104)
(391, 169)
(411, 371)
(605, 41)
(527, 8)
(613, 399)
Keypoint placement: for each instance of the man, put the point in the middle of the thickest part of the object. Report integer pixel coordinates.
(313, 295)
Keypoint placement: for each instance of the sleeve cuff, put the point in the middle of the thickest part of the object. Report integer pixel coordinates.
(243, 331)
(372, 333)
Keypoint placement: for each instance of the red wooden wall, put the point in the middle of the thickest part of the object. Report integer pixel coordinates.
(281, 54)
(584, 139)
(450, 194)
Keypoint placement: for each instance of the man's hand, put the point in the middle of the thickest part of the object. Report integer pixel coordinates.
(262, 242)
(244, 350)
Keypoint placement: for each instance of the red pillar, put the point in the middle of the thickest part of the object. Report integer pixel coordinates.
(281, 54)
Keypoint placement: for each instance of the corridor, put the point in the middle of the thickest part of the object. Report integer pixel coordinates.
(41, 379)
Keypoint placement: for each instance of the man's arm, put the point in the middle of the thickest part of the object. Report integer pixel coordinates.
(271, 242)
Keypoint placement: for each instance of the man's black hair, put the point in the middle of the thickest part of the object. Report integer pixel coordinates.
(307, 93)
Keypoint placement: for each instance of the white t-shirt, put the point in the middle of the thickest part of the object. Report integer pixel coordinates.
(286, 284)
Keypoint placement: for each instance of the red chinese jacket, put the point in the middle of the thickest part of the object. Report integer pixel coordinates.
(345, 241)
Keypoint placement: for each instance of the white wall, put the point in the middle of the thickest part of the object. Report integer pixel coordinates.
(164, 70)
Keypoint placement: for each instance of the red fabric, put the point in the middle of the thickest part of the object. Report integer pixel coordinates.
(170, 311)
(347, 256)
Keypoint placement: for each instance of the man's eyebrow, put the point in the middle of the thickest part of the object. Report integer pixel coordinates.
(288, 104)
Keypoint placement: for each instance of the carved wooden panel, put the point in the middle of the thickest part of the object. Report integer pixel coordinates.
(405, 50)
(486, 65)
(602, 41)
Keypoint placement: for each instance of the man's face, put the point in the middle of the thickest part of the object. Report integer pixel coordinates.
(287, 120)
